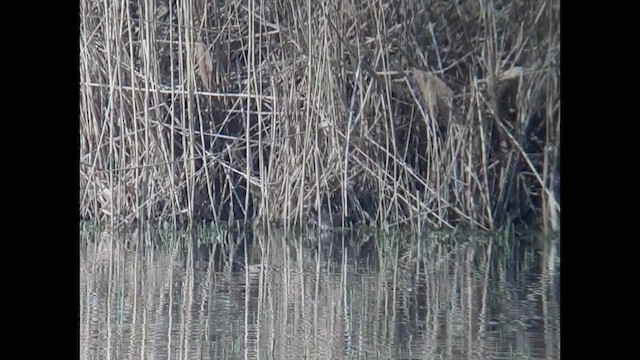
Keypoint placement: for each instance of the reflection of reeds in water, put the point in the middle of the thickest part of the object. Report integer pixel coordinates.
(431, 297)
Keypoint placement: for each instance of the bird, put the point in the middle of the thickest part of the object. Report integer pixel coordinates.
(328, 221)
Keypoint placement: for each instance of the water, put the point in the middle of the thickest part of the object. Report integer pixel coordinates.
(342, 296)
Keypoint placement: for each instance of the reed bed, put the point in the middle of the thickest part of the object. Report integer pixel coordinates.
(392, 112)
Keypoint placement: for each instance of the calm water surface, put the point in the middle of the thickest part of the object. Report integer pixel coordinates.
(342, 296)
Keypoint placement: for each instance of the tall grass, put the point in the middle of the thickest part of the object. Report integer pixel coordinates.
(389, 112)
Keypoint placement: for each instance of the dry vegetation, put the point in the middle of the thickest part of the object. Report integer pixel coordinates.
(389, 112)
